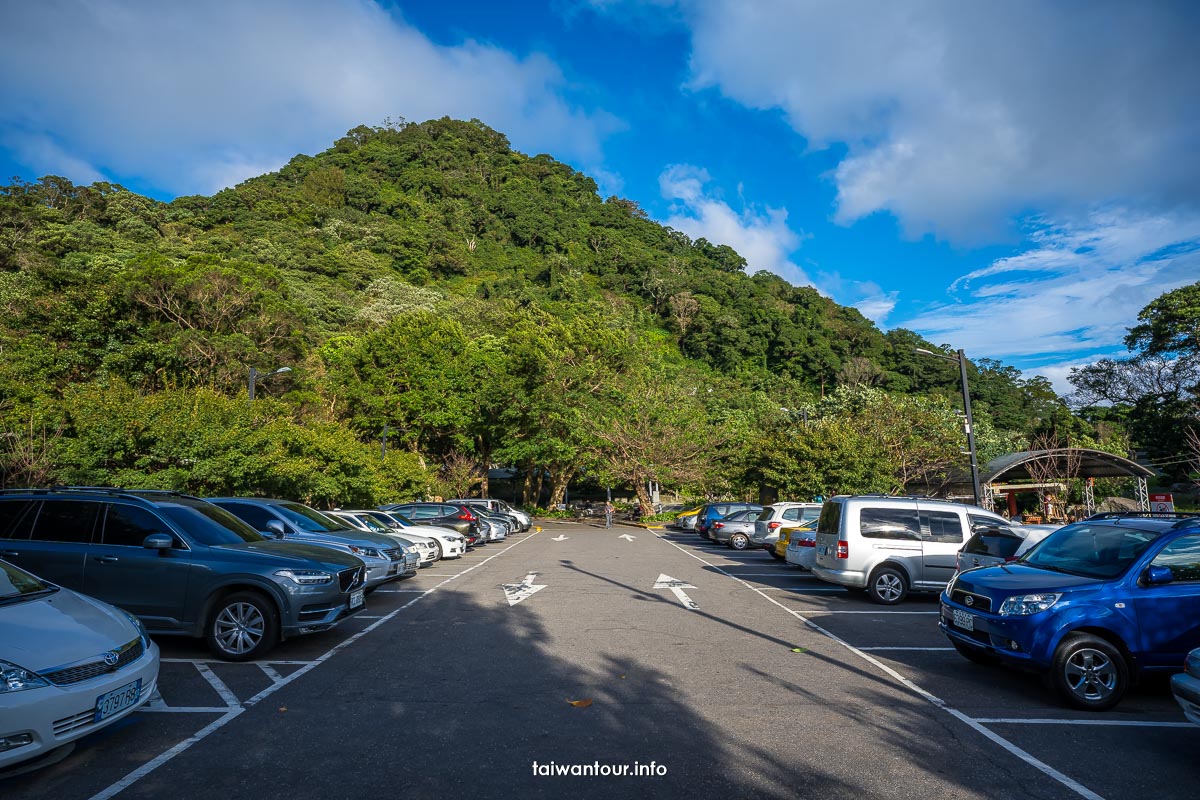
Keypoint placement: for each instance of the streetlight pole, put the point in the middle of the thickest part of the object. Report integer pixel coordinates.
(255, 376)
(961, 358)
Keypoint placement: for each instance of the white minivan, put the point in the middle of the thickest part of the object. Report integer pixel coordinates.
(890, 546)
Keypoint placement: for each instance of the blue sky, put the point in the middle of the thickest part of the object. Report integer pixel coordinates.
(1017, 179)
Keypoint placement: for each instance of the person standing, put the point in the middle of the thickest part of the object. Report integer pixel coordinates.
(608, 512)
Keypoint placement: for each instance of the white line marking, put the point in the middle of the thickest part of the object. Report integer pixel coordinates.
(365, 616)
(231, 663)
(400, 591)
(677, 586)
(918, 649)
(1045, 768)
(217, 724)
(835, 589)
(270, 672)
(184, 709)
(1127, 723)
(219, 686)
(516, 592)
(789, 575)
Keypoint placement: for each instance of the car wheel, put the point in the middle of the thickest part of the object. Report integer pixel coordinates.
(774, 555)
(1089, 673)
(440, 552)
(739, 541)
(242, 626)
(887, 586)
(974, 654)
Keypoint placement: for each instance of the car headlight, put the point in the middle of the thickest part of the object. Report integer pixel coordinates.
(14, 678)
(409, 550)
(305, 577)
(1025, 604)
(369, 552)
(137, 623)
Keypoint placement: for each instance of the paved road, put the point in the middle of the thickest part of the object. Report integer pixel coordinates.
(773, 686)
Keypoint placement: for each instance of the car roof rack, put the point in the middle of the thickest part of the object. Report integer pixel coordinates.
(113, 491)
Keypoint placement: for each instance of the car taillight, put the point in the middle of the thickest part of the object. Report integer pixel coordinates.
(773, 525)
(843, 549)
(718, 524)
(807, 543)
(467, 515)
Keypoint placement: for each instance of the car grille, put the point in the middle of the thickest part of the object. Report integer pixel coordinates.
(62, 727)
(978, 601)
(77, 673)
(350, 579)
(394, 554)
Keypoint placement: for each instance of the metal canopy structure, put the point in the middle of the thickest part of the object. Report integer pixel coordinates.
(1064, 462)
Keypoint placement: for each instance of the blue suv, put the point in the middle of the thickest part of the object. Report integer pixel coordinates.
(1094, 605)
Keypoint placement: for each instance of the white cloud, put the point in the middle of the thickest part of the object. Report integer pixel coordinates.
(875, 303)
(958, 116)
(1057, 373)
(1076, 291)
(45, 155)
(763, 238)
(189, 96)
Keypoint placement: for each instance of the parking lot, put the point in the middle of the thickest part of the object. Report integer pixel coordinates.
(736, 674)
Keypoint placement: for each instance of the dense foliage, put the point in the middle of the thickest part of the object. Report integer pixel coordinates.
(482, 306)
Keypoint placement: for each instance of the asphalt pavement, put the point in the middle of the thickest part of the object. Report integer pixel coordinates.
(633, 661)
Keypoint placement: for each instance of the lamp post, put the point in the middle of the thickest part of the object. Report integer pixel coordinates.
(961, 360)
(255, 377)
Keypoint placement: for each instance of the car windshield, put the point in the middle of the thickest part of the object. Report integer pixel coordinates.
(17, 584)
(373, 525)
(404, 521)
(306, 519)
(210, 524)
(1094, 551)
(388, 521)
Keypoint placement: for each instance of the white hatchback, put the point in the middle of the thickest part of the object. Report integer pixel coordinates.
(69, 665)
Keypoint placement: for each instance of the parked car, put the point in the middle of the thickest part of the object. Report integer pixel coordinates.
(181, 565)
(890, 546)
(384, 558)
(450, 544)
(686, 520)
(1094, 605)
(1186, 687)
(445, 515)
(519, 520)
(801, 547)
(735, 529)
(999, 544)
(711, 512)
(70, 665)
(426, 549)
(498, 527)
(776, 516)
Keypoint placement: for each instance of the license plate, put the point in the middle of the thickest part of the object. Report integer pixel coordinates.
(964, 620)
(118, 700)
(356, 599)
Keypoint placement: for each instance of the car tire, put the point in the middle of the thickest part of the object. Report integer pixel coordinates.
(975, 655)
(440, 553)
(887, 586)
(242, 626)
(739, 541)
(775, 555)
(1089, 673)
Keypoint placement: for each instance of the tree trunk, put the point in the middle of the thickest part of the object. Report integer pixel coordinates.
(526, 484)
(558, 484)
(643, 495)
(537, 492)
(485, 456)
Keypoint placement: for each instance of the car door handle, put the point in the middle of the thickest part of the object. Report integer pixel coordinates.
(107, 559)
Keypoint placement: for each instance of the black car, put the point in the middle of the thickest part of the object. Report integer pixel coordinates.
(180, 564)
(446, 515)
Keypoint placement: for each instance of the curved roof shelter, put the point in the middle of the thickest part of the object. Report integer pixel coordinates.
(1076, 462)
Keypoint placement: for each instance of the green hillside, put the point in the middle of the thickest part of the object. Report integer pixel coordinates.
(488, 307)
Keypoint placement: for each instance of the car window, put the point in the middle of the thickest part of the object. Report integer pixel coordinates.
(792, 514)
(1183, 557)
(17, 583)
(984, 523)
(306, 519)
(1094, 551)
(11, 514)
(996, 543)
(942, 526)
(128, 526)
(810, 513)
(889, 523)
(256, 517)
(830, 520)
(66, 521)
(210, 524)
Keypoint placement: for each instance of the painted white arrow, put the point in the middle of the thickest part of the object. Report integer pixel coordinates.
(626, 536)
(560, 538)
(516, 592)
(677, 587)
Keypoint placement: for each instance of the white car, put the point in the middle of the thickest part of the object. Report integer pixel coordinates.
(802, 546)
(452, 543)
(69, 665)
(1000, 544)
(363, 521)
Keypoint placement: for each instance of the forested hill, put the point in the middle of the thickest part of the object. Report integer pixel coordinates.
(440, 222)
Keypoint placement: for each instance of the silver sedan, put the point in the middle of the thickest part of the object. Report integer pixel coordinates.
(735, 529)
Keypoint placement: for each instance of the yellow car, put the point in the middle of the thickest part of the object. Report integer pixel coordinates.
(785, 536)
(687, 519)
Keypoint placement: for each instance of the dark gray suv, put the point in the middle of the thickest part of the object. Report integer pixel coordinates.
(182, 565)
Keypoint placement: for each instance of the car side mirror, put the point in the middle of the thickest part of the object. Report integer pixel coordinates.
(1157, 576)
(276, 528)
(158, 541)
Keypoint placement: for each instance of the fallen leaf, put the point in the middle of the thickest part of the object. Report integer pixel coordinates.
(622, 677)
(282, 709)
(581, 703)
(799, 650)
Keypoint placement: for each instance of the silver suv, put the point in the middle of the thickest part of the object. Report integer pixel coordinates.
(780, 515)
(892, 545)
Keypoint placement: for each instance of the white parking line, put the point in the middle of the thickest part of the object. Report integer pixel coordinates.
(1119, 723)
(184, 709)
(219, 686)
(837, 589)
(270, 672)
(145, 769)
(400, 591)
(1045, 768)
(219, 661)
